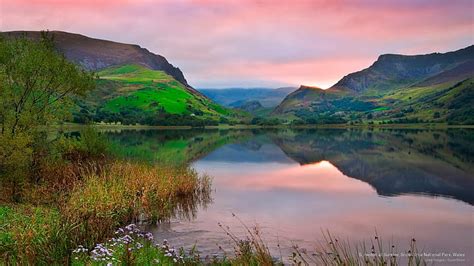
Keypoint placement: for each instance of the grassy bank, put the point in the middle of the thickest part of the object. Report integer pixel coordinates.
(82, 195)
(108, 127)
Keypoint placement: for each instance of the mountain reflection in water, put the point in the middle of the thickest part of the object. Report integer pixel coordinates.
(293, 183)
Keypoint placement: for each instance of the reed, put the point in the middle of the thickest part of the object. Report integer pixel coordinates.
(333, 251)
(127, 192)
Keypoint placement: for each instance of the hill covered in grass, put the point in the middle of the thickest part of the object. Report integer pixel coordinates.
(395, 89)
(134, 94)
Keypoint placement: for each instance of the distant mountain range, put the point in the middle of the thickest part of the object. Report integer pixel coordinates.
(234, 97)
(398, 88)
(134, 85)
(256, 101)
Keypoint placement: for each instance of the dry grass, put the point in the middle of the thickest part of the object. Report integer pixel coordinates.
(127, 192)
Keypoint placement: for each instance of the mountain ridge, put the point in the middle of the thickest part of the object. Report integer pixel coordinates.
(435, 87)
(96, 54)
(411, 68)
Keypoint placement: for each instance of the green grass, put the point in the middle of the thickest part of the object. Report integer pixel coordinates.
(134, 73)
(382, 108)
(447, 102)
(172, 100)
(155, 91)
(32, 234)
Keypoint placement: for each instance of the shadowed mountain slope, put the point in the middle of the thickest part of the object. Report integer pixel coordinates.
(95, 54)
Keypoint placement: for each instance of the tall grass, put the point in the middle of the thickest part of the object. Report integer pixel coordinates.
(251, 250)
(79, 195)
(128, 192)
(333, 251)
(33, 235)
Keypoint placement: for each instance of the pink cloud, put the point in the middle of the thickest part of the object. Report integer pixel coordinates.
(216, 40)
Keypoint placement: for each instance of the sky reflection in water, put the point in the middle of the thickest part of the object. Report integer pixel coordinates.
(292, 197)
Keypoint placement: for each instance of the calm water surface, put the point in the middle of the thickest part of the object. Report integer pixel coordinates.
(294, 183)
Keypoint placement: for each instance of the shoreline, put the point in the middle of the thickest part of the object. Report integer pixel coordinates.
(72, 126)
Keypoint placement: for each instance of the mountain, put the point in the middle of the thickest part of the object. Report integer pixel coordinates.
(233, 96)
(134, 85)
(248, 106)
(392, 71)
(396, 88)
(95, 54)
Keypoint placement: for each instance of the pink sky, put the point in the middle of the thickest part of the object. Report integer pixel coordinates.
(258, 43)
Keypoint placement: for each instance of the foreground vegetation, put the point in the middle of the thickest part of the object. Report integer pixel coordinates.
(82, 198)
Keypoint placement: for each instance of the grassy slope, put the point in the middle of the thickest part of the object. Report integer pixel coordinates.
(420, 102)
(427, 100)
(155, 91)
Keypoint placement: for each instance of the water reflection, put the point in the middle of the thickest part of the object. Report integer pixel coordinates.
(393, 162)
(405, 183)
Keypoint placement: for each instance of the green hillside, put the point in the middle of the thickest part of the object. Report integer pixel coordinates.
(451, 102)
(395, 89)
(133, 94)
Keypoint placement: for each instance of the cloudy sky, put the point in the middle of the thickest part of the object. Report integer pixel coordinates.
(225, 43)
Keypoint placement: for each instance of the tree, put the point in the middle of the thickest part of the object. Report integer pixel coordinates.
(36, 85)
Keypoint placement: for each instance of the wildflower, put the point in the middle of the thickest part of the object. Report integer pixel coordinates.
(149, 236)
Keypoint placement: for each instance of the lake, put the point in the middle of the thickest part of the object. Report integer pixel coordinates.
(294, 184)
